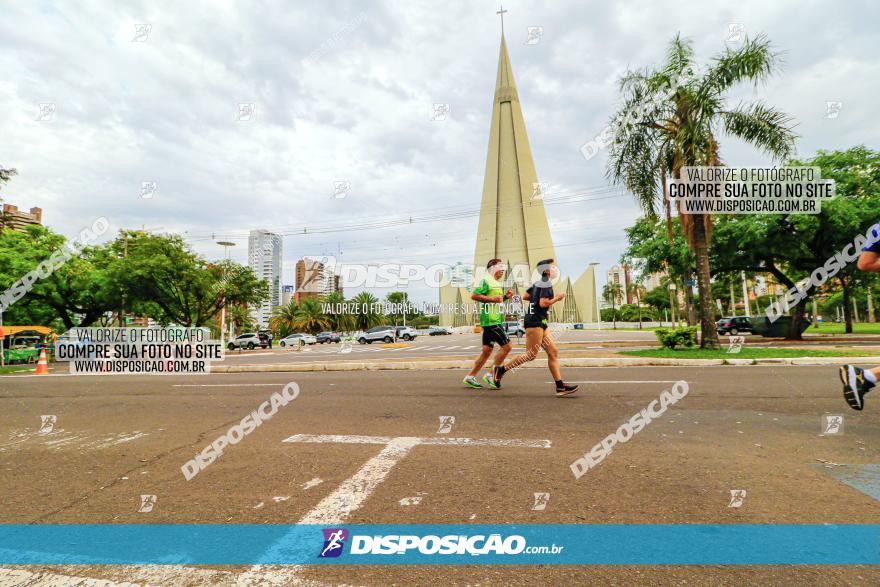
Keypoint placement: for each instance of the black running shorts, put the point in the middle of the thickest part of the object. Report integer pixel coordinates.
(495, 334)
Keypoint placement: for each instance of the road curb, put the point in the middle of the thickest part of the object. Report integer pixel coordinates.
(457, 364)
(563, 362)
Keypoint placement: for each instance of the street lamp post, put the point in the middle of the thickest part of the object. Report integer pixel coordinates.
(225, 245)
(595, 264)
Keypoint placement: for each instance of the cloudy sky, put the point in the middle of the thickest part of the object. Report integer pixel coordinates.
(344, 92)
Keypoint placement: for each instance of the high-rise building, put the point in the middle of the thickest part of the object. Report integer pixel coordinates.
(315, 279)
(513, 224)
(619, 274)
(17, 219)
(287, 294)
(459, 275)
(653, 280)
(264, 258)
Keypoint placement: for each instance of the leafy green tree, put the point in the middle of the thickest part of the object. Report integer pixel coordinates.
(791, 247)
(658, 299)
(78, 292)
(239, 317)
(399, 298)
(165, 280)
(636, 289)
(5, 176)
(671, 118)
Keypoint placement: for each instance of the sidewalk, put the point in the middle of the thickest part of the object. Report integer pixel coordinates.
(397, 364)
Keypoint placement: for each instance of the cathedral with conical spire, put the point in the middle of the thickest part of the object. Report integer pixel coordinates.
(513, 224)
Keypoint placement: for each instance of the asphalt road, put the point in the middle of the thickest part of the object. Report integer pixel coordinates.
(468, 345)
(456, 345)
(746, 428)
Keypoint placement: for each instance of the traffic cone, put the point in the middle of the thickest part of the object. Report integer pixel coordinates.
(42, 364)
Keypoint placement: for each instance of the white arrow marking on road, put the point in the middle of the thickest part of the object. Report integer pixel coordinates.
(353, 492)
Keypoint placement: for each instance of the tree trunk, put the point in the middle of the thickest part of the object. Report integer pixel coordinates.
(709, 335)
(673, 306)
(732, 300)
(797, 318)
(639, 304)
(690, 310)
(847, 307)
(871, 317)
(855, 309)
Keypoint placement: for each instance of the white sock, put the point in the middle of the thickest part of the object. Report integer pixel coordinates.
(870, 376)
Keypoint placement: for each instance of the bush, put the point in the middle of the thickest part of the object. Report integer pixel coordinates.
(685, 336)
(609, 315)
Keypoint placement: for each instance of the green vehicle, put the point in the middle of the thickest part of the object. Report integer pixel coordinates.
(22, 344)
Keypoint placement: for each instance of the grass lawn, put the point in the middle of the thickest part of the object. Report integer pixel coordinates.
(17, 369)
(747, 353)
(860, 328)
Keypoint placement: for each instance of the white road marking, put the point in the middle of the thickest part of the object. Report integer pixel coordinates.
(226, 385)
(309, 484)
(353, 492)
(122, 438)
(355, 439)
(19, 577)
(414, 500)
(598, 381)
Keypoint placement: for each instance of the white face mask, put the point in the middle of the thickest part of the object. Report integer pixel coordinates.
(496, 268)
(552, 272)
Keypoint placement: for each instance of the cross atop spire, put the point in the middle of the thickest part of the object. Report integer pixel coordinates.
(501, 13)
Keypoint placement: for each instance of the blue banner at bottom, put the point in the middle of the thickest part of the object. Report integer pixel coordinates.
(427, 544)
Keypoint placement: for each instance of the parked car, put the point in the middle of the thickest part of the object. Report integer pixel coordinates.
(323, 337)
(438, 331)
(300, 338)
(734, 325)
(383, 333)
(514, 328)
(406, 333)
(249, 340)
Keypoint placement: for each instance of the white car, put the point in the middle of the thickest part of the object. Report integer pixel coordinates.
(298, 339)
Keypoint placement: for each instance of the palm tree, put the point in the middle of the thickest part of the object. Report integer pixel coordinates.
(611, 292)
(283, 320)
(366, 316)
(309, 317)
(637, 289)
(240, 318)
(670, 119)
(339, 321)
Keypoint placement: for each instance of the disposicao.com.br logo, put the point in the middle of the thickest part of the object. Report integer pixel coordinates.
(411, 544)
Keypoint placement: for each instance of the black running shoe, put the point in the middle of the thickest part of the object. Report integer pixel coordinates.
(497, 374)
(855, 386)
(566, 390)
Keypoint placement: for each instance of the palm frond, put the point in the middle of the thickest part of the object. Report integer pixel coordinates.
(762, 126)
(679, 57)
(754, 61)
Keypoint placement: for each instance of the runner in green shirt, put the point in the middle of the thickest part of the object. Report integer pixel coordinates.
(490, 294)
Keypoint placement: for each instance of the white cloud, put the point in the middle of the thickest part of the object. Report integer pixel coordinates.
(164, 110)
